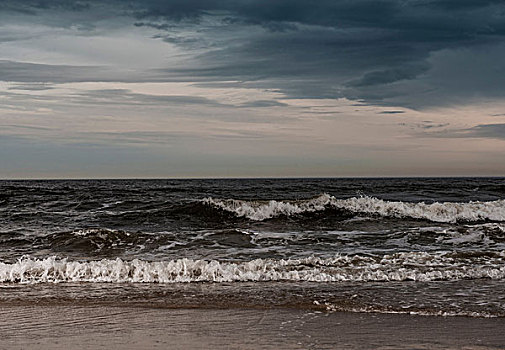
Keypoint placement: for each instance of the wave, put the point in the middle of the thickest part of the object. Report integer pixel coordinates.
(95, 240)
(449, 212)
(407, 266)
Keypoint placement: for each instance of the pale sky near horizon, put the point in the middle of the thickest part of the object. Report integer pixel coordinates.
(251, 88)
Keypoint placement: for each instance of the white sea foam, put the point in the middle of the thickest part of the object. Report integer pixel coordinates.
(99, 232)
(255, 210)
(371, 309)
(438, 212)
(416, 266)
(483, 234)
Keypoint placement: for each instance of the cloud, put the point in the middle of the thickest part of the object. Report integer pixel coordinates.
(392, 112)
(45, 73)
(30, 6)
(125, 97)
(493, 131)
(32, 87)
(130, 138)
(387, 76)
(415, 54)
(27, 127)
(379, 52)
(263, 103)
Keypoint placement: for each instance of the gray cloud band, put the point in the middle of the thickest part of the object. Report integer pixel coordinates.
(391, 52)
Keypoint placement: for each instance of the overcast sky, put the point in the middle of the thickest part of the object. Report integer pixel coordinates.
(248, 88)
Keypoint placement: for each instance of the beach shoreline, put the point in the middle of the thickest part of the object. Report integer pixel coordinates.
(70, 326)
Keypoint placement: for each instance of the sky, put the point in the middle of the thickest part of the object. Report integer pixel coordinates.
(251, 88)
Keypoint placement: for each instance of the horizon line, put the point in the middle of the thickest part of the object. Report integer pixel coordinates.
(259, 178)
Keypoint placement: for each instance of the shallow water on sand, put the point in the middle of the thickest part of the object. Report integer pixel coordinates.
(77, 327)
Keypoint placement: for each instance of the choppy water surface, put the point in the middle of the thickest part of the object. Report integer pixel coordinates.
(428, 246)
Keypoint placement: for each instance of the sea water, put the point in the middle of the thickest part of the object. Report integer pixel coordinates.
(433, 246)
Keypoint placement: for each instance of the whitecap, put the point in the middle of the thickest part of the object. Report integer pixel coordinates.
(448, 212)
(406, 266)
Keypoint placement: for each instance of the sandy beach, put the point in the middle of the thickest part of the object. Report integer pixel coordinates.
(111, 327)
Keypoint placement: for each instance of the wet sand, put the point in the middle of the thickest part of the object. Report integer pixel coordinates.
(111, 327)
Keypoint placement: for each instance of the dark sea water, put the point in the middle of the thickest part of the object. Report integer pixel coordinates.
(423, 246)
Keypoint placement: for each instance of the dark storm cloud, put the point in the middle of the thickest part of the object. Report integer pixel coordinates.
(386, 76)
(418, 20)
(443, 19)
(30, 6)
(378, 52)
(375, 51)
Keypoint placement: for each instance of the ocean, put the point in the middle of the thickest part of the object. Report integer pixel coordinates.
(423, 246)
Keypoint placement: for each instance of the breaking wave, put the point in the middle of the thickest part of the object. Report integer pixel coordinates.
(449, 212)
(407, 266)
